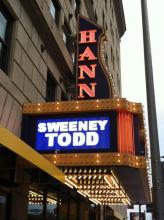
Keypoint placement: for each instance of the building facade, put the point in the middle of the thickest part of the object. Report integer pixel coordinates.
(37, 64)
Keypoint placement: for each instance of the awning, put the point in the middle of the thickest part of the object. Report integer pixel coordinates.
(16, 145)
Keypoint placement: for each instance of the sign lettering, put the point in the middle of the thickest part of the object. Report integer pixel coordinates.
(73, 134)
(92, 80)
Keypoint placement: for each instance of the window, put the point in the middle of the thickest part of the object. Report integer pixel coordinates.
(113, 62)
(77, 7)
(66, 34)
(69, 40)
(106, 27)
(106, 58)
(106, 4)
(112, 12)
(73, 57)
(96, 18)
(63, 97)
(42, 204)
(103, 22)
(118, 59)
(5, 30)
(110, 3)
(55, 10)
(74, 4)
(92, 2)
(112, 59)
(111, 30)
(111, 54)
(118, 81)
(117, 35)
(51, 88)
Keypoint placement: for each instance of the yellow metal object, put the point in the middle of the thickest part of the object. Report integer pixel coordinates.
(13, 143)
(83, 106)
(97, 159)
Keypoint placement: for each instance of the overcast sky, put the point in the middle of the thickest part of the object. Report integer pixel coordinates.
(132, 58)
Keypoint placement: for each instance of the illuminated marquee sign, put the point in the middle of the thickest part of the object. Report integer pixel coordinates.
(65, 134)
(86, 128)
(92, 79)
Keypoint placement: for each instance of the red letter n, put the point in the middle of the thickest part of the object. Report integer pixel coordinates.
(85, 88)
(89, 71)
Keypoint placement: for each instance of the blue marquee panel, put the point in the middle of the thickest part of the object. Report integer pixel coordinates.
(73, 134)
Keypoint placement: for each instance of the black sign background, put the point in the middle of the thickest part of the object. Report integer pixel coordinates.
(103, 88)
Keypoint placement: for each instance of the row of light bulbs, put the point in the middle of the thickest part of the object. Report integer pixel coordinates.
(37, 198)
(84, 170)
(98, 102)
(136, 163)
(113, 189)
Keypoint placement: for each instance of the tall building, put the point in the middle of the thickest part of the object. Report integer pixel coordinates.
(38, 51)
(37, 64)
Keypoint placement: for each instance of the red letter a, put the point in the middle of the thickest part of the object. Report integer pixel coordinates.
(87, 54)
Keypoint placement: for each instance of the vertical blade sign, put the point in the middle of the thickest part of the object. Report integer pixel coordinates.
(92, 79)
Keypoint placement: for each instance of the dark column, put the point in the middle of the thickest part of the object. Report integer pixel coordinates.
(158, 196)
(139, 212)
(57, 211)
(9, 204)
(44, 201)
(68, 208)
(102, 211)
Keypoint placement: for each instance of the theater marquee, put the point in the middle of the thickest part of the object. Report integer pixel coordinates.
(112, 128)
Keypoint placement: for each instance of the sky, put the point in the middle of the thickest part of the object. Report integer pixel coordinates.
(132, 57)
